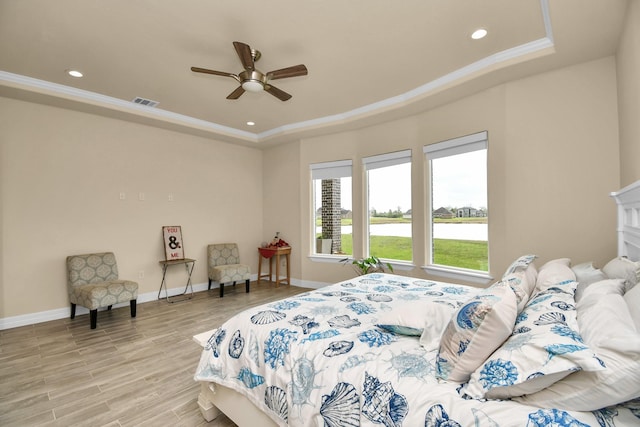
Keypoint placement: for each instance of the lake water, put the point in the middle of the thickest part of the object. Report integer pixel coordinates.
(440, 231)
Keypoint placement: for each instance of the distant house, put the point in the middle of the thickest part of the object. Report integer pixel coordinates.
(407, 214)
(467, 212)
(443, 213)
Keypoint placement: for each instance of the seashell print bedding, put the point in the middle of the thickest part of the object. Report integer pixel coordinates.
(318, 359)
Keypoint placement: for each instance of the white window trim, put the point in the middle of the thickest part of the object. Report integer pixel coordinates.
(464, 144)
(387, 159)
(377, 162)
(327, 170)
(330, 170)
(451, 147)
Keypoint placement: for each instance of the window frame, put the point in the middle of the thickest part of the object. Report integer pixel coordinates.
(379, 161)
(327, 170)
(451, 147)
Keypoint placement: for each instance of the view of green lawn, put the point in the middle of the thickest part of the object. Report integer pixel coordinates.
(455, 253)
(470, 254)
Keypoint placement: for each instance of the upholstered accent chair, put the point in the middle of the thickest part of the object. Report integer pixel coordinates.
(224, 265)
(92, 282)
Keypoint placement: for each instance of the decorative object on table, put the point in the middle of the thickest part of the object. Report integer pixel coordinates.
(277, 242)
(364, 266)
(172, 237)
(92, 282)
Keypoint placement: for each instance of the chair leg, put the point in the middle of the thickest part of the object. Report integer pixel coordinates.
(247, 285)
(73, 310)
(109, 307)
(221, 290)
(132, 303)
(209, 285)
(93, 316)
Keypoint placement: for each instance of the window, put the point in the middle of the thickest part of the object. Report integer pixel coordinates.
(388, 179)
(459, 214)
(332, 207)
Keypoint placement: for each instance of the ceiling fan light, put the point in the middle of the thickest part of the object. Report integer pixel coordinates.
(252, 86)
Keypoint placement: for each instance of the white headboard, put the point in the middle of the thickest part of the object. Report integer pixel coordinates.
(628, 201)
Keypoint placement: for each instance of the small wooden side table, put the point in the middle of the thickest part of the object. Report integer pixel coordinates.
(270, 254)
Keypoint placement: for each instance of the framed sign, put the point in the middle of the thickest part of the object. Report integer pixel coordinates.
(172, 237)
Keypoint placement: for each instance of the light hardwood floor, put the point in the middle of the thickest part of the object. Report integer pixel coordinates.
(127, 372)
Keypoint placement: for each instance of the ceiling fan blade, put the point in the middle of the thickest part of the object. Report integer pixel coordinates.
(244, 52)
(280, 94)
(296, 70)
(217, 73)
(236, 93)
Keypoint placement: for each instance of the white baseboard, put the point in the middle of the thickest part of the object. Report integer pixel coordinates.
(62, 313)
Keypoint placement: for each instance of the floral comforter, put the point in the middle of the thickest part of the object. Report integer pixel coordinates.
(318, 359)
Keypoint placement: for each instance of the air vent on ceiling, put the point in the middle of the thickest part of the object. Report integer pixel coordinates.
(144, 101)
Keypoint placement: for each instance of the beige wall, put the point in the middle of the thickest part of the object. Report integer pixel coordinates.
(553, 159)
(61, 176)
(628, 68)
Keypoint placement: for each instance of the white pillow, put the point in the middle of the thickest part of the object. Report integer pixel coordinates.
(603, 287)
(608, 329)
(553, 273)
(438, 317)
(413, 318)
(632, 299)
(545, 347)
(586, 274)
(475, 330)
(623, 268)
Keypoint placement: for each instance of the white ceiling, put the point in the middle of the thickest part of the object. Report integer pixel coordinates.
(368, 60)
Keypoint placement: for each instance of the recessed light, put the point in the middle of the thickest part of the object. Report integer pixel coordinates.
(479, 34)
(251, 123)
(74, 73)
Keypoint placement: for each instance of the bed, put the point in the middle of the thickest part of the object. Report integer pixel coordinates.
(554, 344)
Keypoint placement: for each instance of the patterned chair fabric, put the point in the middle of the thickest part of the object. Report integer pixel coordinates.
(224, 265)
(92, 282)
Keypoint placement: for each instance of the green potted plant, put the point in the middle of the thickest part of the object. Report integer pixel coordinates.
(364, 266)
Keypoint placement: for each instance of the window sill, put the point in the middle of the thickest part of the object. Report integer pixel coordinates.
(397, 265)
(451, 273)
(327, 258)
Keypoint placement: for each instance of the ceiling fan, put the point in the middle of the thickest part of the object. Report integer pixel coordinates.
(253, 80)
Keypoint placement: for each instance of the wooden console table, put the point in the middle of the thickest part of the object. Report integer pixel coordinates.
(270, 254)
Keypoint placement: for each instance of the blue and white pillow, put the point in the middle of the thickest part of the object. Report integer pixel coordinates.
(521, 276)
(545, 347)
(475, 330)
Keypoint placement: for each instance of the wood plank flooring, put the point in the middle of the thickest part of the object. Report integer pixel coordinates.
(127, 372)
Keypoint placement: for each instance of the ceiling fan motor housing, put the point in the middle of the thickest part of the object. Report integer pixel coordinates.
(253, 81)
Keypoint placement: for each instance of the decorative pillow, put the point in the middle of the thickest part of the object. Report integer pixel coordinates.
(437, 319)
(632, 299)
(608, 329)
(520, 264)
(586, 274)
(552, 273)
(545, 347)
(603, 287)
(623, 268)
(475, 330)
(521, 276)
(414, 318)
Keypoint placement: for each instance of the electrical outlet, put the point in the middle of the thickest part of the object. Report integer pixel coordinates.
(140, 196)
(141, 274)
(123, 196)
(170, 197)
